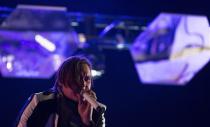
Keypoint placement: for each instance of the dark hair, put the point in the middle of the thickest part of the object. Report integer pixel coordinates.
(70, 73)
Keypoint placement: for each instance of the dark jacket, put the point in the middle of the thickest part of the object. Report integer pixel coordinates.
(51, 109)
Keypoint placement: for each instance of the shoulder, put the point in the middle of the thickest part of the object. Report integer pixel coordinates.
(44, 96)
(36, 104)
(37, 98)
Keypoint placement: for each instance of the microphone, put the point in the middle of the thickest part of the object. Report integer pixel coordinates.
(99, 107)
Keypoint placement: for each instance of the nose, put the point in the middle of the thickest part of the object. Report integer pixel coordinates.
(85, 87)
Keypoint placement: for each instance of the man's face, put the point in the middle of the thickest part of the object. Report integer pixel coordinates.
(86, 84)
(86, 77)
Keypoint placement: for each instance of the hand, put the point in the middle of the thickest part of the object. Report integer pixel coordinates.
(85, 109)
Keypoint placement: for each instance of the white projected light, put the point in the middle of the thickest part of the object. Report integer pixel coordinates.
(45, 43)
(172, 49)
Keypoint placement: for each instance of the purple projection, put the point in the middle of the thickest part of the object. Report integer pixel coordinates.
(32, 54)
(172, 49)
(33, 47)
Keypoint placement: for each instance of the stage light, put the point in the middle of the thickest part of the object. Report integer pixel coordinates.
(96, 73)
(120, 46)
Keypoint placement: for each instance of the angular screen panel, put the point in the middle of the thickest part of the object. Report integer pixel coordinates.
(34, 54)
(167, 52)
(34, 40)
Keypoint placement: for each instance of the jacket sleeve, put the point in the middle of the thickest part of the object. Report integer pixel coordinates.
(26, 111)
(98, 120)
(101, 121)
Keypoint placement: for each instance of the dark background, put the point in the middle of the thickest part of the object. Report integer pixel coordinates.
(123, 7)
(129, 102)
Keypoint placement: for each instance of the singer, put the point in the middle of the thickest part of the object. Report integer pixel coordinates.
(70, 103)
